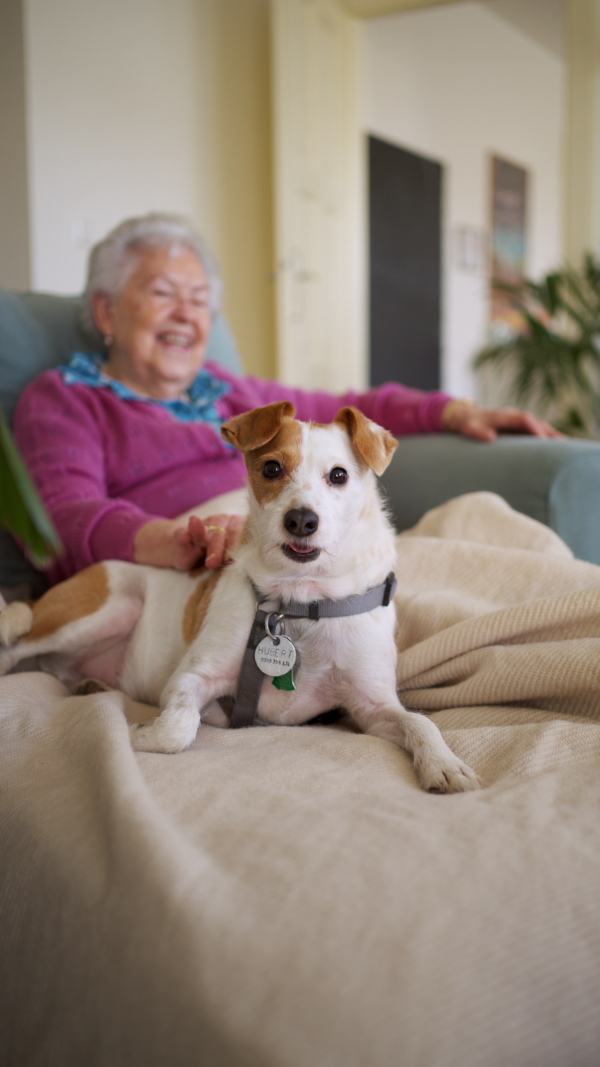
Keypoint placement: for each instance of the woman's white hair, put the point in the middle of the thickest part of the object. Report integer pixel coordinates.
(112, 260)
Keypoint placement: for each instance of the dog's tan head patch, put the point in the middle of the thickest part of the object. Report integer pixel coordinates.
(271, 440)
(374, 445)
(255, 428)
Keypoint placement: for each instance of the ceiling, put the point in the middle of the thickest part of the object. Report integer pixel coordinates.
(542, 20)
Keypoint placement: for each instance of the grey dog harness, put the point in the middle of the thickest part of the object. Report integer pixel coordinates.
(251, 677)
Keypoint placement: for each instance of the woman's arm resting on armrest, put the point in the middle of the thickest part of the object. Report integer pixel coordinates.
(484, 424)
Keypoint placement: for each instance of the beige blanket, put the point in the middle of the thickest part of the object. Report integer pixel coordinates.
(288, 897)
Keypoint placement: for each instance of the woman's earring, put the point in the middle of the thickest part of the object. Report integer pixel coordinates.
(108, 340)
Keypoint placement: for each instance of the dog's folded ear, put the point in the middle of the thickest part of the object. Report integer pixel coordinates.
(374, 445)
(255, 428)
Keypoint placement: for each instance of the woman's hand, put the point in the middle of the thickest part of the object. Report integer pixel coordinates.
(484, 424)
(212, 538)
(168, 543)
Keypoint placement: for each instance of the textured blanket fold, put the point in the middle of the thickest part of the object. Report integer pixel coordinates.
(287, 897)
(508, 619)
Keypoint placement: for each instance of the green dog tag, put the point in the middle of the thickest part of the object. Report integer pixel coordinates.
(285, 681)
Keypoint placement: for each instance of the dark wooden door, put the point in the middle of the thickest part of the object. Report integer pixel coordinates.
(405, 195)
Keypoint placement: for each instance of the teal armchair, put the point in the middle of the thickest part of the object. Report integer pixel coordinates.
(555, 482)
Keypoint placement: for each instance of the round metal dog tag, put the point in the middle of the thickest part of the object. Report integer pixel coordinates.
(275, 655)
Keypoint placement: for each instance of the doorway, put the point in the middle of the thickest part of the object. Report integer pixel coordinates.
(405, 198)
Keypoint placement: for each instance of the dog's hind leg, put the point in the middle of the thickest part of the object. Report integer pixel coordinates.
(15, 621)
(73, 617)
(436, 766)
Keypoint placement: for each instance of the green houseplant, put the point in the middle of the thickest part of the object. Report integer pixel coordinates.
(21, 510)
(553, 360)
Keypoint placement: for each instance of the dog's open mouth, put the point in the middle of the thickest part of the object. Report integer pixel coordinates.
(300, 552)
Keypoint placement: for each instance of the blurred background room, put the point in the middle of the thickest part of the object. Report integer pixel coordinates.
(359, 167)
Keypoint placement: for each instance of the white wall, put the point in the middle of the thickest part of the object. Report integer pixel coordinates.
(138, 105)
(116, 123)
(456, 84)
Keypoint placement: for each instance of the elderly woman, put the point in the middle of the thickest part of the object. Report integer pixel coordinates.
(122, 443)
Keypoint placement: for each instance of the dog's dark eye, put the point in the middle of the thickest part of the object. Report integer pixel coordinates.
(338, 476)
(272, 469)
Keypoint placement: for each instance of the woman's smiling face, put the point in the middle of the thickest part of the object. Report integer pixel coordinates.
(159, 323)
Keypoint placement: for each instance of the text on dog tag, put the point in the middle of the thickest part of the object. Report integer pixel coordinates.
(275, 655)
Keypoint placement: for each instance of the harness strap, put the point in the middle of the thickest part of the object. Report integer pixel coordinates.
(377, 597)
(251, 677)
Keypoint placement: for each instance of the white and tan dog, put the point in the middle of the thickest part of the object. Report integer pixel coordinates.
(316, 533)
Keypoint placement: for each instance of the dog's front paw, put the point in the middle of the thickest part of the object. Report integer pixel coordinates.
(448, 775)
(163, 736)
(174, 729)
(177, 725)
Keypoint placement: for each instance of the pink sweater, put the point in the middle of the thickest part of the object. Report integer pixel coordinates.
(104, 466)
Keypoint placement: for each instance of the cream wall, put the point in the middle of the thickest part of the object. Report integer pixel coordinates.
(165, 104)
(456, 83)
(14, 181)
(137, 105)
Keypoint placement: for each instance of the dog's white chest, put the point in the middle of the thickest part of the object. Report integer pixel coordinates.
(332, 656)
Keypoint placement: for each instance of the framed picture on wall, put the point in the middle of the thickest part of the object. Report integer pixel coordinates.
(510, 192)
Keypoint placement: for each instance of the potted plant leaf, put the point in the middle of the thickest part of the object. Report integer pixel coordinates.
(553, 359)
(21, 510)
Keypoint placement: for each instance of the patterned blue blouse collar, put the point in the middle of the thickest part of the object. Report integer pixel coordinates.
(86, 369)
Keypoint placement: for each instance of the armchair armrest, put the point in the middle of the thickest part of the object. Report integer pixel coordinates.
(556, 482)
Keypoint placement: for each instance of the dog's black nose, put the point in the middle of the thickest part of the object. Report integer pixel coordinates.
(301, 522)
